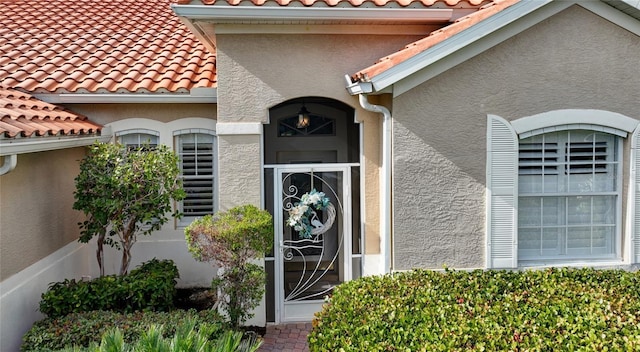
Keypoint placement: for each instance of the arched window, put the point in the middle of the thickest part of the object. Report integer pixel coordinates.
(554, 189)
(136, 138)
(569, 194)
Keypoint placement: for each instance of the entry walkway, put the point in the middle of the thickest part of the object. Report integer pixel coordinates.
(290, 337)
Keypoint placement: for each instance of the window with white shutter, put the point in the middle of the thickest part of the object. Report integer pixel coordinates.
(569, 194)
(196, 150)
(567, 201)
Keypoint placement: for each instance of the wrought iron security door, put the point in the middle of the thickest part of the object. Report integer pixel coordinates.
(313, 236)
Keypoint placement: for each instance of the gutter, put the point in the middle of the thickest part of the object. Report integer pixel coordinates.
(198, 95)
(10, 162)
(306, 14)
(385, 178)
(12, 147)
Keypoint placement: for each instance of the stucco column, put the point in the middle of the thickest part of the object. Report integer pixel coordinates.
(239, 169)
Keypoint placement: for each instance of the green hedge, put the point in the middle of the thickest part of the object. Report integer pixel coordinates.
(151, 286)
(545, 310)
(82, 329)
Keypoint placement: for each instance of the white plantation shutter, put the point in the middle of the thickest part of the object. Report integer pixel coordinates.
(502, 193)
(634, 195)
(197, 169)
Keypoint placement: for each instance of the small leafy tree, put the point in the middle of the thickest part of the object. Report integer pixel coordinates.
(125, 193)
(231, 240)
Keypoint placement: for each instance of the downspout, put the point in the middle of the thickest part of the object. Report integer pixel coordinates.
(10, 162)
(385, 178)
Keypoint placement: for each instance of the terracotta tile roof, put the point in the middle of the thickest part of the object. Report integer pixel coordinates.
(81, 46)
(431, 40)
(356, 3)
(22, 115)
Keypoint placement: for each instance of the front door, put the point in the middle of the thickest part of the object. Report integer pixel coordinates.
(313, 236)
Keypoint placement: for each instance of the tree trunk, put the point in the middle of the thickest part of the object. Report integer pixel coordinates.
(100, 251)
(126, 259)
(128, 239)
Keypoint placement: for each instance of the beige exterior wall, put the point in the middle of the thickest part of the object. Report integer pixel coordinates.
(36, 216)
(240, 170)
(257, 72)
(575, 59)
(106, 113)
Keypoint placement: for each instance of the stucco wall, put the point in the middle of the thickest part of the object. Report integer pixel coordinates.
(574, 59)
(36, 216)
(256, 72)
(106, 113)
(259, 71)
(240, 176)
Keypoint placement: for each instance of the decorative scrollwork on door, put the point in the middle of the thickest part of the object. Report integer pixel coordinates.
(309, 224)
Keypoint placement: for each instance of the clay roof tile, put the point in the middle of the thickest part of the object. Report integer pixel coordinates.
(42, 41)
(25, 116)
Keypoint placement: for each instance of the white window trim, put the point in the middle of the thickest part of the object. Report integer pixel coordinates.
(590, 119)
(186, 220)
(502, 189)
(137, 131)
(618, 204)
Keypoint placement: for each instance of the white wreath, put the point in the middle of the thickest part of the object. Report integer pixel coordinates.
(303, 215)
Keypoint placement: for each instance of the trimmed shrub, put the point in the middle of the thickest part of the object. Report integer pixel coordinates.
(231, 239)
(151, 286)
(82, 329)
(546, 310)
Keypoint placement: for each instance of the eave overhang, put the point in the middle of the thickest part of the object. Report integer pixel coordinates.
(482, 36)
(264, 14)
(12, 146)
(197, 96)
(445, 54)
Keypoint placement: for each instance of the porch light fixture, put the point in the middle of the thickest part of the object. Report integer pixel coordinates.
(303, 118)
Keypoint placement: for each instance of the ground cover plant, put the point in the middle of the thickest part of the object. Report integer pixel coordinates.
(545, 310)
(187, 338)
(83, 329)
(151, 286)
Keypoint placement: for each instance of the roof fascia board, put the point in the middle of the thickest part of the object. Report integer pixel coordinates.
(41, 144)
(377, 29)
(613, 15)
(62, 98)
(443, 61)
(458, 42)
(333, 14)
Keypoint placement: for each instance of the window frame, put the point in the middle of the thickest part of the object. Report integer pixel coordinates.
(186, 220)
(564, 173)
(139, 132)
(502, 189)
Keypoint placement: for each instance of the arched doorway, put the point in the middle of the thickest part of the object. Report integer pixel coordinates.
(311, 145)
